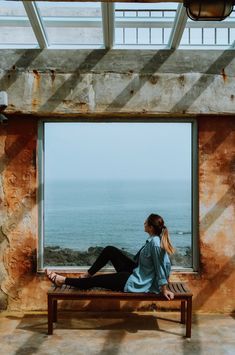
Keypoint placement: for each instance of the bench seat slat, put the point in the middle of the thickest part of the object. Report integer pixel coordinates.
(184, 286)
(180, 288)
(172, 288)
(67, 291)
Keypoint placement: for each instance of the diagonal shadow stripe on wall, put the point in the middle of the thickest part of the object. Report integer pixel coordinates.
(16, 147)
(216, 140)
(24, 61)
(135, 85)
(65, 89)
(225, 201)
(204, 82)
(218, 279)
(20, 143)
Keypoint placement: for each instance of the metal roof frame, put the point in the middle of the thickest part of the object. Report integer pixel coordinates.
(36, 23)
(178, 27)
(108, 19)
(110, 23)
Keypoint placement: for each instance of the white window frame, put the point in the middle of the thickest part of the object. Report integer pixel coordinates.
(194, 190)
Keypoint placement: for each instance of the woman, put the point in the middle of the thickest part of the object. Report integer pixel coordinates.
(147, 272)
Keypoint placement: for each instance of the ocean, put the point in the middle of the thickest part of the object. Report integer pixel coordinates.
(83, 214)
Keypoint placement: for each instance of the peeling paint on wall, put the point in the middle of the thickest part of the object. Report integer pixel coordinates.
(18, 227)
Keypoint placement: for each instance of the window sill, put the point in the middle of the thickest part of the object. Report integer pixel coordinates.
(78, 270)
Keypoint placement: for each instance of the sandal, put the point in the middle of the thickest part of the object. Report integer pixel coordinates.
(53, 279)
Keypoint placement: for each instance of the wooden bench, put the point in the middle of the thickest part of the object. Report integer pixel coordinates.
(181, 293)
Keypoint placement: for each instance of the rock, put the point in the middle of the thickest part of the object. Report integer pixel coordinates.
(56, 256)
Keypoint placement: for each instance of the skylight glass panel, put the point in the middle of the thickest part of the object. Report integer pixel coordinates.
(144, 24)
(214, 34)
(72, 23)
(15, 28)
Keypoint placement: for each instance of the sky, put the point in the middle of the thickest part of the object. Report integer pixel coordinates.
(114, 151)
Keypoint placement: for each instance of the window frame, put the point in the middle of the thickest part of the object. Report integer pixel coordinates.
(194, 190)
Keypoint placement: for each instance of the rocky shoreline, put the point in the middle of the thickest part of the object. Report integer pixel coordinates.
(57, 256)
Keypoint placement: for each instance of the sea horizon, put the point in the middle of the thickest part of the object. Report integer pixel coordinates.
(97, 212)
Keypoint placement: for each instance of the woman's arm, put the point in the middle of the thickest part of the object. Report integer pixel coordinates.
(160, 270)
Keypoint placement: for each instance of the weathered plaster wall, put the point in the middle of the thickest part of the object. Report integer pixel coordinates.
(39, 91)
(18, 211)
(162, 82)
(217, 214)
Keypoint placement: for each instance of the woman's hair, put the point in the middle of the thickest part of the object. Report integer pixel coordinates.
(159, 227)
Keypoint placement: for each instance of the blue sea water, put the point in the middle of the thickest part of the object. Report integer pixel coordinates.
(81, 214)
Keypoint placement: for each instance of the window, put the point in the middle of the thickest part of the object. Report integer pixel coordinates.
(100, 182)
(15, 28)
(72, 23)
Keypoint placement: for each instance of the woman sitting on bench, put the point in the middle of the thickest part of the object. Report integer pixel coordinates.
(148, 271)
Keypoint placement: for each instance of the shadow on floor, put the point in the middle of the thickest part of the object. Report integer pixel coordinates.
(128, 322)
(110, 333)
(36, 325)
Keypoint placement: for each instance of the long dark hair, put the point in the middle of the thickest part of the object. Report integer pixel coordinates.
(157, 222)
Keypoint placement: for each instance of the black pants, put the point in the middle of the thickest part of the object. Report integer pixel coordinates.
(115, 281)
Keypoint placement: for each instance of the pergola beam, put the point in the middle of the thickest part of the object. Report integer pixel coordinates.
(36, 23)
(108, 16)
(178, 27)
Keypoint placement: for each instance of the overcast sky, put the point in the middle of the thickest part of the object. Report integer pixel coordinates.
(117, 151)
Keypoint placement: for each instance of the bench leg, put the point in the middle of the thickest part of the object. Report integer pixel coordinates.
(55, 311)
(182, 319)
(50, 314)
(189, 317)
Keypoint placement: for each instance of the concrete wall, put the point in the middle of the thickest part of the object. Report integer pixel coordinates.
(100, 84)
(164, 82)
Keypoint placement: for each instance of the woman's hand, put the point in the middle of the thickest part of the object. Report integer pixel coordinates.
(168, 294)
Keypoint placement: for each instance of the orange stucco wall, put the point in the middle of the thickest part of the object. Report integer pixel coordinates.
(22, 289)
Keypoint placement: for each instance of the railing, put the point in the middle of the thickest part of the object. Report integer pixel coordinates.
(158, 24)
(143, 27)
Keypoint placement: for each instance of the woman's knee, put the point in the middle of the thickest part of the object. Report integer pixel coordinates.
(109, 249)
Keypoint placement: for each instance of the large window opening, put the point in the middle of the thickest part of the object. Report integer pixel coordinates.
(101, 181)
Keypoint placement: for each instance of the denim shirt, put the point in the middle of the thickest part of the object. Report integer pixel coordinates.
(153, 269)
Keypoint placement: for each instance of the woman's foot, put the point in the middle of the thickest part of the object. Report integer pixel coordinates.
(56, 279)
